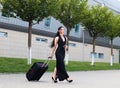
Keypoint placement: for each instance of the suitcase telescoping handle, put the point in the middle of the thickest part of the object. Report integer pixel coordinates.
(46, 62)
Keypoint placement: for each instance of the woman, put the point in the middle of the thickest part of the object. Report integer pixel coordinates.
(59, 44)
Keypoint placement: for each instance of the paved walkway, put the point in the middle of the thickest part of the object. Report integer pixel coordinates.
(83, 79)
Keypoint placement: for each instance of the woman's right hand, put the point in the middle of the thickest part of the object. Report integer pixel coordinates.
(50, 57)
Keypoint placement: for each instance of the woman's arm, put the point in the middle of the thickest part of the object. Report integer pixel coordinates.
(66, 46)
(54, 47)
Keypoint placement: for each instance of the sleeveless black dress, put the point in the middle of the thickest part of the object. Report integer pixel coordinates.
(60, 54)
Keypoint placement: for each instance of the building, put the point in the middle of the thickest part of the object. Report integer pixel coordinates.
(14, 37)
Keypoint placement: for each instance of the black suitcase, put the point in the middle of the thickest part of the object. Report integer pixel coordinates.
(36, 71)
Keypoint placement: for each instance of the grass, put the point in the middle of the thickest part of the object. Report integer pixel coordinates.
(17, 65)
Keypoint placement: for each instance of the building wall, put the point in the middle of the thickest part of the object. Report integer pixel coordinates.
(54, 24)
(99, 49)
(15, 45)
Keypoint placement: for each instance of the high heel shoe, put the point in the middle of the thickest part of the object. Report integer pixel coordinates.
(69, 80)
(54, 80)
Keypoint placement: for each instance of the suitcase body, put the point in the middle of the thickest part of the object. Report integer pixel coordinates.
(36, 71)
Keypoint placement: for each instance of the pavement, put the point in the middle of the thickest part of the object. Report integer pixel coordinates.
(81, 79)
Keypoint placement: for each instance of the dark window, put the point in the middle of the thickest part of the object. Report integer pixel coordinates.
(77, 28)
(94, 54)
(3, 34)
(6, 13)
(100, 55)
(42, 40)
(47, 22)
(72, 44)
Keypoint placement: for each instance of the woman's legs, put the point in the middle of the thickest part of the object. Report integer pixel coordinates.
(60, 70)
(54, 78)
(54, 73)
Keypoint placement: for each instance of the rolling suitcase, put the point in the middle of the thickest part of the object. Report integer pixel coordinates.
(37, 70)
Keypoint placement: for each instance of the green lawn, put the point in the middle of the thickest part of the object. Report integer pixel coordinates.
(16, 65)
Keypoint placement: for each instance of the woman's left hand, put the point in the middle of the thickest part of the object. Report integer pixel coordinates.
(66, 47)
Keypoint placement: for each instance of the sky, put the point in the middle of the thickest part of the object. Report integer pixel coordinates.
(115, 4)
(112, 4)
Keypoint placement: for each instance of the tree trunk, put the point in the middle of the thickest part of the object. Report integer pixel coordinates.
(111, 47)
(67, 52)
(29, 42)
(112, 55)
(94, 42)
(93, 53)
(68, 35)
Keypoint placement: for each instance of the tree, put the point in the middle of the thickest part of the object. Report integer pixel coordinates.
(32, 11)
(0, 6)
(94, 21)
(113, 31)
(70, 13)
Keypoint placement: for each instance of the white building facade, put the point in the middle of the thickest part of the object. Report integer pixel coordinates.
(14, 37)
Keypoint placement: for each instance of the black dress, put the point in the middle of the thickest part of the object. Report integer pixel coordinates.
(60, 54)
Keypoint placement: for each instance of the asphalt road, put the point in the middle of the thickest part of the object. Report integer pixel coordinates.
(82, 79)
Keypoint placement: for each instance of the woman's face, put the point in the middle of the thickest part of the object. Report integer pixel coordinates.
(61, 31)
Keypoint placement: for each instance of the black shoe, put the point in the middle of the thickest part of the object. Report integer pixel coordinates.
(69, 80)
(54, 80)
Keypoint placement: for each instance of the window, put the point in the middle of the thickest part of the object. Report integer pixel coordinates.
(6, 14)
(72, 44)
(100, 55)
(3, 34)
(42, 40)
(47, 22)
(94, 54)
(77, 28)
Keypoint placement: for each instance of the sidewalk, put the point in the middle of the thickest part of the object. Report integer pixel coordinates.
(83, 79)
